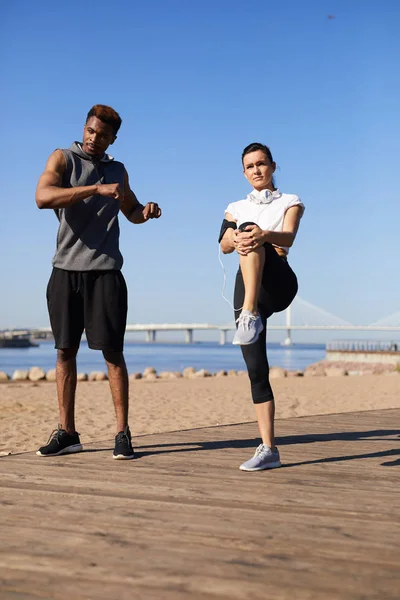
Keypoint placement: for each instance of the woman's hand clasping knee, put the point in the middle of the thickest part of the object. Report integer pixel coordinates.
(252, 238)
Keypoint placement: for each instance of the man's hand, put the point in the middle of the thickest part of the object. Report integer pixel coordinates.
(249, 240)
(110, 190)
(151, 211)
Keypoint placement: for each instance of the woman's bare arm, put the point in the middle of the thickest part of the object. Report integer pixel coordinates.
(227, 242)
(254, 237)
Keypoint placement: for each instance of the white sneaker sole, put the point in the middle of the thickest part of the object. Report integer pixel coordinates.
(122, 457)
(248, 343)
(69, 450)
(274, 465)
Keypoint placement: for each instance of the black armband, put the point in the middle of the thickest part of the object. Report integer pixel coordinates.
(226, 225)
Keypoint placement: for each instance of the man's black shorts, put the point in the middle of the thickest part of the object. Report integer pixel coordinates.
(94, 301)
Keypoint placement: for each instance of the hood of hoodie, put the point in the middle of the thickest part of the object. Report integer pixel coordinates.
(76, 148)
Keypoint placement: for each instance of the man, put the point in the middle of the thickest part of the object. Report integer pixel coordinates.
(86, 188)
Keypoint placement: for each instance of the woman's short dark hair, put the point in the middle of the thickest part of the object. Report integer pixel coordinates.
(257, 146)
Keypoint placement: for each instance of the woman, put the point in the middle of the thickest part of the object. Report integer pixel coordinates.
(261, 228)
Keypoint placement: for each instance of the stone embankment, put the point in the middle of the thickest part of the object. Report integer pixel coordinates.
(320, 369)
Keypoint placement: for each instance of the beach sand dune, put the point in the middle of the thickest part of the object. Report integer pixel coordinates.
(28, 411)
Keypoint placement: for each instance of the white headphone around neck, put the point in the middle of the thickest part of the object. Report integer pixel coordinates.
(264, 196)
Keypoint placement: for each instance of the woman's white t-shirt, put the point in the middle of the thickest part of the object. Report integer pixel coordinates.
(266, 209)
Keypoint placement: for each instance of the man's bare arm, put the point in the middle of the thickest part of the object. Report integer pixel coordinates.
(133, 210)
(50, 194)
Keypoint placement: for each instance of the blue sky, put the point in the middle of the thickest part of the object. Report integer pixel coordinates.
(194, 84)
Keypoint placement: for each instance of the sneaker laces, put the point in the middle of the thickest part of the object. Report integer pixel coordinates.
(261, 449)
(123, 436)
(245, 320)
(55, 434)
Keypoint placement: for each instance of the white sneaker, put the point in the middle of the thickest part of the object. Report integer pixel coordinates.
(264, 458)
(249, 328)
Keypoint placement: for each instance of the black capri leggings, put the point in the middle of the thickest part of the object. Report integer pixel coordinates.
(277, 291)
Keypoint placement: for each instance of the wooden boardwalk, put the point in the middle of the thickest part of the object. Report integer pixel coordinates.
(182, 522)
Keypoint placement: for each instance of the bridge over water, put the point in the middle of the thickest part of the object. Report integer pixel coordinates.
(300, 316)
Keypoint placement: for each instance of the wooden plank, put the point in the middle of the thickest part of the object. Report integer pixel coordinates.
(183, 522)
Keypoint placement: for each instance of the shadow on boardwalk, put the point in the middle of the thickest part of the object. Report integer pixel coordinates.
(310, 438)
(183, 523)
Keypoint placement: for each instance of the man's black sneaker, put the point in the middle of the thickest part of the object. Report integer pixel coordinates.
(123, 445)
(61, 442)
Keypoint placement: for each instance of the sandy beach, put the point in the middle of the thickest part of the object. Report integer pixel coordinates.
(28, 411)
